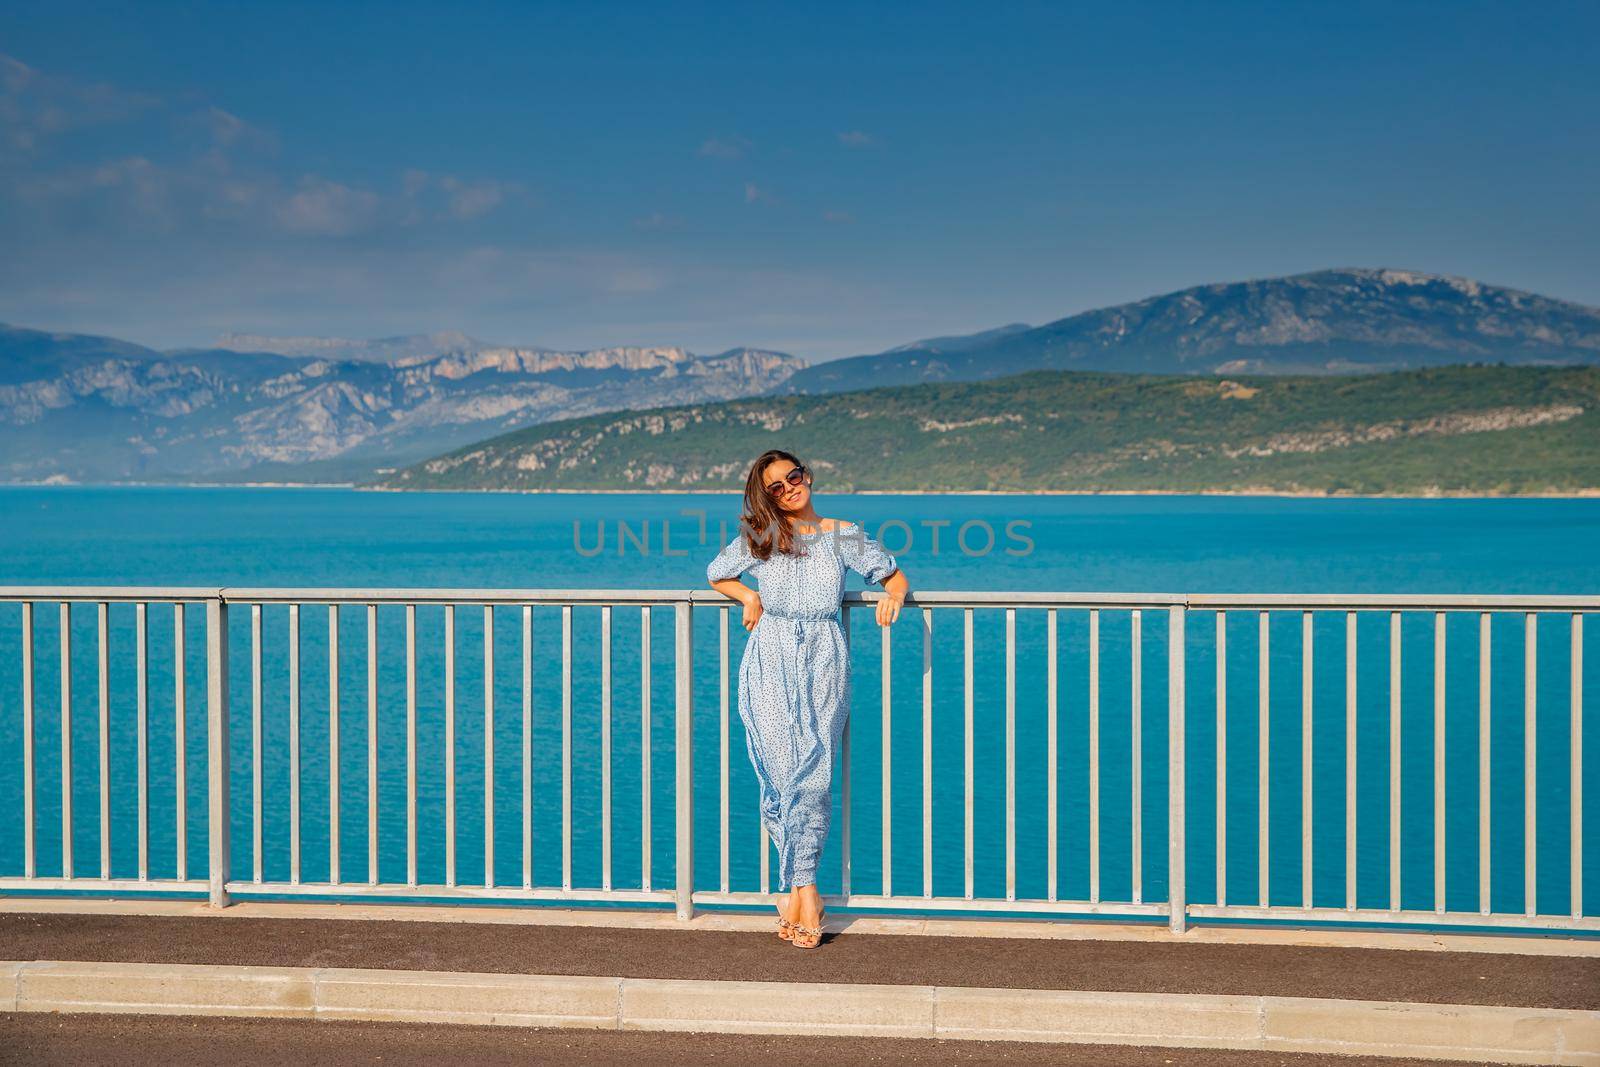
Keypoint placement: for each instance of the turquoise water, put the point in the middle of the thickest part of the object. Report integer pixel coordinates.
(314, 537)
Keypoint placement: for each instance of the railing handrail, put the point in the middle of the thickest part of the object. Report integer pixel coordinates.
(923, 598)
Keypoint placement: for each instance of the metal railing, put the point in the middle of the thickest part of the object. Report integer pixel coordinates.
(1074, 821)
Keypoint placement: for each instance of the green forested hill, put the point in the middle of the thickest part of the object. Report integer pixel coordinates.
(1472, 429)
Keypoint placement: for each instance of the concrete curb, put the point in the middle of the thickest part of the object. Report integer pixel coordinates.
(1284, 1024)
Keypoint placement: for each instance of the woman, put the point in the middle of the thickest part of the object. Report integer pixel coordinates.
(794, 677)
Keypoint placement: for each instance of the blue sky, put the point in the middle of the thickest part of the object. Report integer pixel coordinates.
(823, 180)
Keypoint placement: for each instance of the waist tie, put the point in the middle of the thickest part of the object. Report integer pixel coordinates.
(802, 706)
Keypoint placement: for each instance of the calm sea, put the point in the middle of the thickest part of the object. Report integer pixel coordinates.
(342, 538)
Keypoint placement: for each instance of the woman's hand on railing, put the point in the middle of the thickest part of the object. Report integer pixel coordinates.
(895, 589)
(752, 610)
(889, 608)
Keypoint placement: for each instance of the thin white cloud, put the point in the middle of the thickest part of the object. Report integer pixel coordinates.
(328, 208)
(468, 200)
(413, 181)
(758, 194)
(635, 280)
(657, 221)
(725, 147)
(15, 75)
(449, 196)
(857, 139)
(229, 132)
(35, 106)
(198, 168)
(838, 218)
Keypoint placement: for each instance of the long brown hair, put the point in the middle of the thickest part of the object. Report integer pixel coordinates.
(762, 515)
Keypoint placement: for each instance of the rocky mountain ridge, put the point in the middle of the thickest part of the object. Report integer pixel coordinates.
(105, 410)
(1344, 321)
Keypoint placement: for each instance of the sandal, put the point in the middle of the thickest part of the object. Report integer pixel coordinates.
(807, 936)
(785, 929)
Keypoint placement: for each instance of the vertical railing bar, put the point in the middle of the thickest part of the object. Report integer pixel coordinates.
(1177, 881)
(65, 647)
(1394, 760)
(1094, 755)
(1307, 811)
(103, 646)
(1438, 761)
(1575, 773)
(179, 716)
(488, 745)
(566, 746)
(927, 752)
(1011, 753)
(29, 769)
(967, 752)
(722, 741)
(333, 744)
(527, 746)
(1264, 761)
(450, 744)
(766, 856)
(141, 683)
(605, 747)
(372, 744)
(683, 729)
(644, 747)
(844, 788)
(1136, 733)
(294, 744)
(1052, 735)
(1485, 763)
(219, 824)
(1350, 760)
(411, 744)
(1222, 757)
(1530, 754)
(886, 747)
(256, 816)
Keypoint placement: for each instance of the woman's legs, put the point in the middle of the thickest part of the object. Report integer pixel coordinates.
(807, 906)
(786, 913)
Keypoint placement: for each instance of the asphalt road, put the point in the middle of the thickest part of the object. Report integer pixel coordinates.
(1247, 970)
(135, 1039)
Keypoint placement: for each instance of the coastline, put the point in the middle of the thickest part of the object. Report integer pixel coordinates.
(1248, 492)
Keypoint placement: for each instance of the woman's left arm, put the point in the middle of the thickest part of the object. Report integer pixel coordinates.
(868, 558)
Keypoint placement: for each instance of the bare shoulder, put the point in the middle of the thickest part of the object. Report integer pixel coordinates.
(835, 524)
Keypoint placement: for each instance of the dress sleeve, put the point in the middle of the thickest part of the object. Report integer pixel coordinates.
(734, 559)
(864, 555)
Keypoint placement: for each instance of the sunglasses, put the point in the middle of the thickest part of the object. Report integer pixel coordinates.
(795, 476)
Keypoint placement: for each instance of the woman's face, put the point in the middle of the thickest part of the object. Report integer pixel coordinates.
(784, 493)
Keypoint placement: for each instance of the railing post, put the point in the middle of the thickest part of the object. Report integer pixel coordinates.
(219, 824)
(683, 719)
(1177, 896)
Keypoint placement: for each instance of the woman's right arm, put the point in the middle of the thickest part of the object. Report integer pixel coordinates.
(723, 574)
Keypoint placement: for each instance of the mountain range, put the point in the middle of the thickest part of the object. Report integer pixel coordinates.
(77, 408)
(261, 408)
(1328, 322)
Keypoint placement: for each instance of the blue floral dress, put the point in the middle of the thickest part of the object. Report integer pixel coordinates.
(794, 681)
